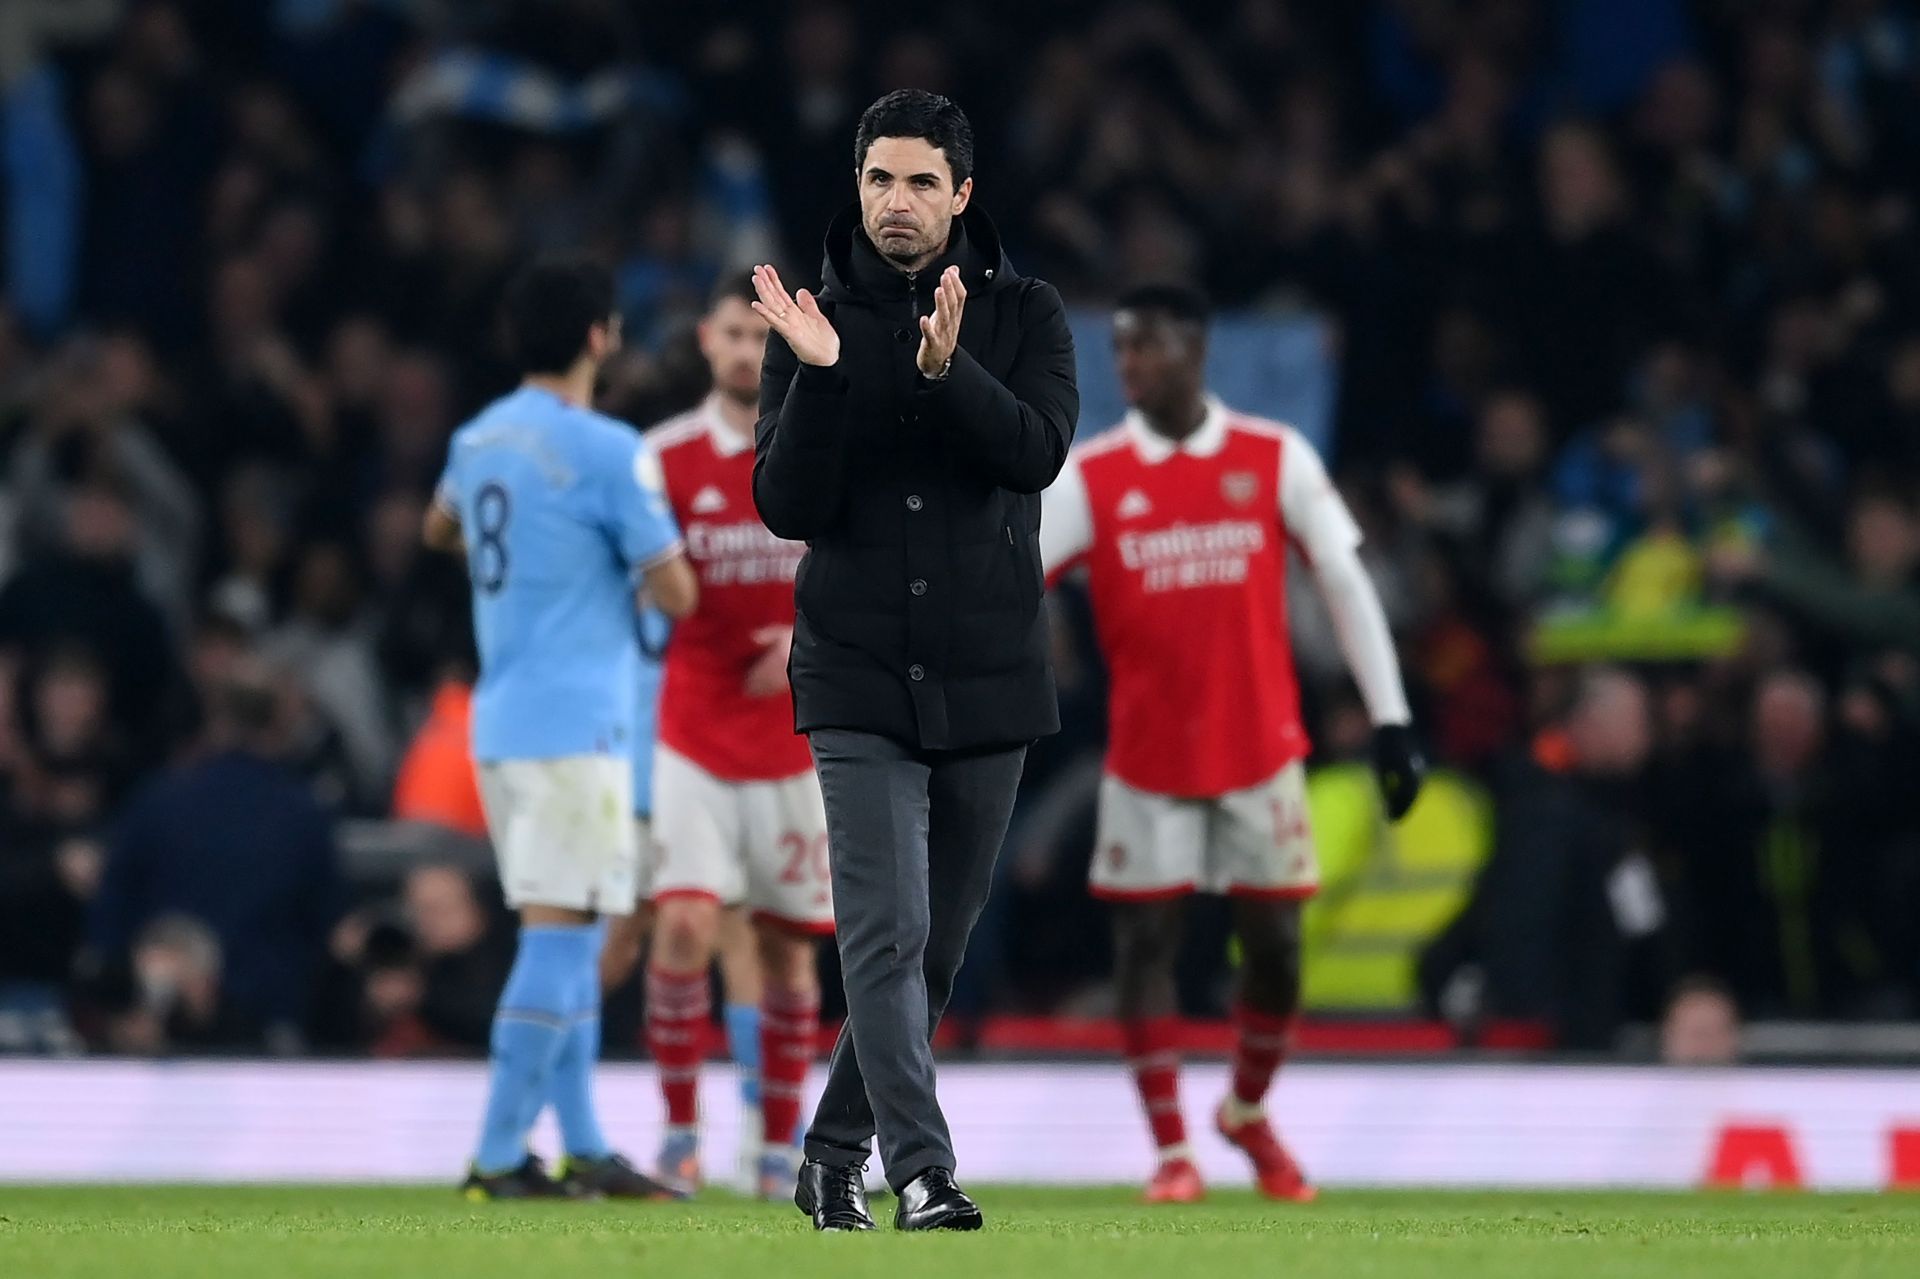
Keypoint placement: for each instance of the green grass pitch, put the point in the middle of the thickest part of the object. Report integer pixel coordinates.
(150, 1232)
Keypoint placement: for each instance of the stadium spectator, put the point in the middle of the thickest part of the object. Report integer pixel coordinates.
(81, 764)
(50, 857)
(370, 989)
(86, 427)
(1497, 522)
(328, 643)
(82, 592)
(464, 956)
(418, 976)
(178, 1002)
(1780, 862)
(1568, 917)
(1867, 602)
(1701, 1026)
(234, 840)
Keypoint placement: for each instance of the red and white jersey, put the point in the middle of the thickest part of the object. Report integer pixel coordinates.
(1185, 546)
(746, 583)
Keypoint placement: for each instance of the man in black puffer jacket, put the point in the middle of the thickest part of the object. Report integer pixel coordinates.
(910, 417)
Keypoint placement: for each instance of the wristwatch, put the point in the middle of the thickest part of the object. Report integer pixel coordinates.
(941, 376)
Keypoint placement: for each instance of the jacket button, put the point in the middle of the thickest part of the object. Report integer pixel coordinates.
(913, 502)
(918, 586)
(916, 672)
(902, 336)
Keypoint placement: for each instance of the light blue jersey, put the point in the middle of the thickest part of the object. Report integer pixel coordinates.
(561, 510)
(652, 628)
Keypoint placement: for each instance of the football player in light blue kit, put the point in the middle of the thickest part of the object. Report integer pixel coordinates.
(561, 515)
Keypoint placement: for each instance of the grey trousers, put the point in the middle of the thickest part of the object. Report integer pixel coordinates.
(912, 836)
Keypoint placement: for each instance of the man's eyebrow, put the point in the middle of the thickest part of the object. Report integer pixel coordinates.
(877, 172)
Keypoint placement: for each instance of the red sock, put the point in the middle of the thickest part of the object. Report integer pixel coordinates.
(1258, 1050)
(1156, 1073)
(789, 1025)
(679, 1006)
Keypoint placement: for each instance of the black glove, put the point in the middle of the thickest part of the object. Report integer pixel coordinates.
(1400, 766)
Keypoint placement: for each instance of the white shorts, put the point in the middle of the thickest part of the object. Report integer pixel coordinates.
(1256, 842)
(563, 831)
(758, 844)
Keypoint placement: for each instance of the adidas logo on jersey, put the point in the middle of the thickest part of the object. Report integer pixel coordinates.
(708, 500)
(1133, 505)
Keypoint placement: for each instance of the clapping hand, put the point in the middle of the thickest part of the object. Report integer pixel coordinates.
(798, 320)
(940, 331)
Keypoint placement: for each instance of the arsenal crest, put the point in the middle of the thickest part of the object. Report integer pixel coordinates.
(1240, 487)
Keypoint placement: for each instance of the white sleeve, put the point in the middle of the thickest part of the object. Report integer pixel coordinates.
(1066, 520)
(1320, 524)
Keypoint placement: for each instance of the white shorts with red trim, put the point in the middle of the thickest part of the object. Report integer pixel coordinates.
(562, 831)
(1256, 842)
(758, 844)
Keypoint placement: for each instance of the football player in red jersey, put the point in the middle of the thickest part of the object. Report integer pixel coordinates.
(1182, 516)
(738, 819)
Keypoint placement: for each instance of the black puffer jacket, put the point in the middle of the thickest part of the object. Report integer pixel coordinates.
(920, 596)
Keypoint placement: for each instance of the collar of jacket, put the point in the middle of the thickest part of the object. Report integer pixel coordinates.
(855, 272)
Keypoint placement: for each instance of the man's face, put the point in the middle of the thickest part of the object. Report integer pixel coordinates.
(1612, 728)
(908, 200)
(1788, 724)
(1880, 536)
(1511, 442)
(1701, 1029)
(71, 704)
(99, 526)
(441, 907)
(733, 337)
(1159, 359)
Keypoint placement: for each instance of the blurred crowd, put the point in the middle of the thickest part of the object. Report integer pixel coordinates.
(1627, 305)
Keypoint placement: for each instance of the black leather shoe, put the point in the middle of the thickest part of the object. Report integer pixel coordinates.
(834, 1195)
(932, 1202)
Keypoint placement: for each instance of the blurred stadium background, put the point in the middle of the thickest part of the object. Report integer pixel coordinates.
(1606, 312)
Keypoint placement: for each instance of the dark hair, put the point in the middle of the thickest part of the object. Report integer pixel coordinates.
(551, 306)
(1176, 301)
(915, 113)
(732, 284)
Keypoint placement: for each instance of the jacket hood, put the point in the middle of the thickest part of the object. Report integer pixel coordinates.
(855, 272)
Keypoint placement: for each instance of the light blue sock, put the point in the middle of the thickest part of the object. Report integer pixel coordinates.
(529, 1032)
(743, 1045)
(572, 1093)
